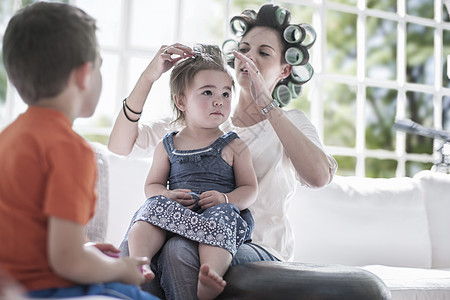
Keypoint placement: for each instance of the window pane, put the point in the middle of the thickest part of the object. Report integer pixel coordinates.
(380, 116)
(341, 43)
(347, 165)
(419, 54)
(152, 23)
(419, 108)
(299, 13)
(349, 2)
(420, 8)
(303, 102)
(446, 113)
(239, 6)
(414, 167)
(159, 95)
(381, 48)
(339, 115)
(6, 8)
(105, 113)
(445, 52)
(203, 21)
(445, 15)
(383, 168)
(386, 5)
(108, 20)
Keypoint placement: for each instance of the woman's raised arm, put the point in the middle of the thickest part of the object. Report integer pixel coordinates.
(125, 129)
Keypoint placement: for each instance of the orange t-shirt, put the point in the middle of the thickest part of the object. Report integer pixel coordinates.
(46, 169)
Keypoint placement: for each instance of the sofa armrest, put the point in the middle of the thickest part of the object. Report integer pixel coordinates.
(97, 227)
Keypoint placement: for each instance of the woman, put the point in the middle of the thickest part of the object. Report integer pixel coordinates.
(284, 146)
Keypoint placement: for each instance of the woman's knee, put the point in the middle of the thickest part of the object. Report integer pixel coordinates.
(178, 250)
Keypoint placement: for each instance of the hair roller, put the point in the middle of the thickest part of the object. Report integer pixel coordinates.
(282, 16)
(294, 34)
(310, 36)
(238, 26)
(302, 73)
(296, 56)
(282, 94)
(228, 47)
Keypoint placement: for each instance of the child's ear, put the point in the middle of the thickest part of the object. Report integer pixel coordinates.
(286, 70)
(179, 102)
(82, 74)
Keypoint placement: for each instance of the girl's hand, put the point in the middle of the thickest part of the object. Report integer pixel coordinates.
(258, 86)
(181, 196)
(165, 59)
(211, 198)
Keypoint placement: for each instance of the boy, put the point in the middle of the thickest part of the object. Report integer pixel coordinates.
(48, 172)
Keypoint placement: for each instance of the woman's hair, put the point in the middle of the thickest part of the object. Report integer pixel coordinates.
(295, 40)
(207, 57)
(43, 43)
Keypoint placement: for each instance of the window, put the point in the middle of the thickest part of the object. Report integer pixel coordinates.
(374, 61)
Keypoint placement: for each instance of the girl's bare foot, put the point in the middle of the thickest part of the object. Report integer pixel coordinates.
(147, 272)
(210, 284)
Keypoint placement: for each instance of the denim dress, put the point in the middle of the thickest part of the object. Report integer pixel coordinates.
(200, 170)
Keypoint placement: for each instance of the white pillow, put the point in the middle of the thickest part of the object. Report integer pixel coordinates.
(362, 221)
(436, 189)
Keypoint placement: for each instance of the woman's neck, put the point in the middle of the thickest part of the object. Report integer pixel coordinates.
(246, 113)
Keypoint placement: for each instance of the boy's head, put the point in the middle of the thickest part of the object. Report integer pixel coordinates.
(207, 57)
(43, 43)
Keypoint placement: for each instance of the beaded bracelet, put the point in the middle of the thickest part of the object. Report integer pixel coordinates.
(124, 105)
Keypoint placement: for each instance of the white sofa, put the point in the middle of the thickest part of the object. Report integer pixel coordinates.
(397, 228)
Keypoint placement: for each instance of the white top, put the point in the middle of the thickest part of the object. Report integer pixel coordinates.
(277, 180)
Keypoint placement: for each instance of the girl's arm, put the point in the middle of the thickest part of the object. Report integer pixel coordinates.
(310, 162)
(246, 183)
(70, 259)
(156, 183)
(124, 133)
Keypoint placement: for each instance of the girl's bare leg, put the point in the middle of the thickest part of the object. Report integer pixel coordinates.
(145, 239)
(214, 262)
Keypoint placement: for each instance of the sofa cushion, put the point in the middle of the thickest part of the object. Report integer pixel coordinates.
(362, 221)
(414, 283)
(436, 191)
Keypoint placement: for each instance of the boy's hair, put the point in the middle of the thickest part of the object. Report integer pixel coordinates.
(207, 57)
(43, 43)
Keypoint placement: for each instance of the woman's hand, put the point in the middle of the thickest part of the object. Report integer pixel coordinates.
(258, 88)
(181, 196)
(165, 59)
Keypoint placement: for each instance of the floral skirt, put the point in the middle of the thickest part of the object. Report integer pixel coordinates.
(220, 225)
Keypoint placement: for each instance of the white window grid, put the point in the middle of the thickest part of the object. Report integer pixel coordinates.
(124, 51)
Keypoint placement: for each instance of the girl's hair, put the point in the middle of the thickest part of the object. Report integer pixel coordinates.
(295, 40)
(43, 43)
(207, 57)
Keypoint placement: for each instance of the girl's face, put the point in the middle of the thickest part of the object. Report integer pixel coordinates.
(263, 46)
(207, 102)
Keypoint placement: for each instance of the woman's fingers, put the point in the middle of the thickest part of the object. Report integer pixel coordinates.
(176, 51)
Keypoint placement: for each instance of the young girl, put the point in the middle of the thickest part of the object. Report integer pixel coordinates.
(201, 178)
